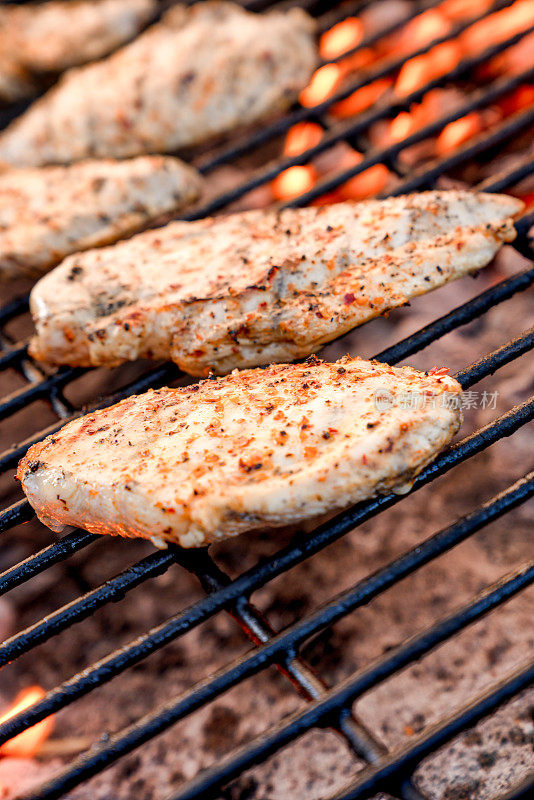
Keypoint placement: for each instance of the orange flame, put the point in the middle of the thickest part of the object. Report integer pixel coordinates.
(27, 743)
(323, 83)
(497, 27)
(293, 181)
(458, 10)
(522, 97)
(511, 61)
(401, 127)
(341, 38)
(423, 29)
(418, 71)
(301, 137)
(361, 99)
(366, 183)
(457, 132)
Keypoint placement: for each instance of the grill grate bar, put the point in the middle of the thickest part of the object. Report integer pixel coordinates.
(112, 590)
(308, 684)
(287, 642)
(374, 38)
(407, 759)
(501, 181)
(39, 562)
(37, 390)
(13, 309)
(489, 364)
(13, 356)
(475, 147)
(16, 514)
(461, 315)
(319, 712)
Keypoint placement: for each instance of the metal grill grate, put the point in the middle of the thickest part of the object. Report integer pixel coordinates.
(328, 706)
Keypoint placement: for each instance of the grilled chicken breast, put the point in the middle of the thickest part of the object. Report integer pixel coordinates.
(48, 212)
(200, 72)
(261, 286)
(256, 448)
(55, 35)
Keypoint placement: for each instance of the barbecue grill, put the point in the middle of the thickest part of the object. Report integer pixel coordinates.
(328, 706)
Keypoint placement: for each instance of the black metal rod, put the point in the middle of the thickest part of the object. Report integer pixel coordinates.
(16, 514)
(362, 593)
(504, 179)
(112, 590)
(13, 309)
(406, 759)
(317, 714)
(461, 315)
(510, 127)
(489, 364)
(309, 685)
(12, 356)
(37, 390)
(39, 562)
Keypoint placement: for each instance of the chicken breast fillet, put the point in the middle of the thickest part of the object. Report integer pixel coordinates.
(55, 35)
(262, 286)
(200, 72)
(257, 448)
(48, 212)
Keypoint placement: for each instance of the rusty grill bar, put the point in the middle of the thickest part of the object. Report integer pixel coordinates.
(328, 706)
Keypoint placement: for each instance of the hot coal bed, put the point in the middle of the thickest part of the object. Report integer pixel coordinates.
(392, 644)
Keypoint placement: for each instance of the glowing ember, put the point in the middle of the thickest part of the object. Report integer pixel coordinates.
(323, 83)
(341, 38)
(402, 126)
(361, 99)
(523, 97)
(301, 137)
(293, 182)
(458, 10)
(501, 25)
(512, 61)
(413, 76)
(423, 29)
(366, 183)
(417, 72)
(457, 132)
(27, 743)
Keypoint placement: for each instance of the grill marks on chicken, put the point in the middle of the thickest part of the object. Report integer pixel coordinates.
(56, 35)
(256, 448)
(199, 73)
(48, 212)
(262, 286)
